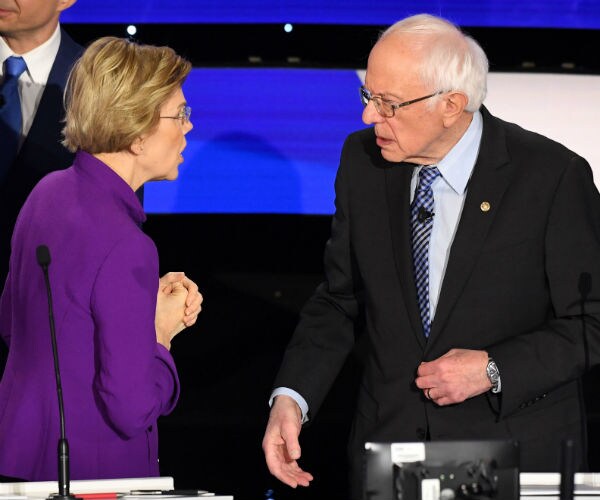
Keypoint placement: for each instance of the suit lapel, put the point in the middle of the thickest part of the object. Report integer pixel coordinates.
(491, 176)
(397, 180)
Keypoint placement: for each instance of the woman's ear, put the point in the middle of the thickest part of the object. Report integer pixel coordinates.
(137, 146)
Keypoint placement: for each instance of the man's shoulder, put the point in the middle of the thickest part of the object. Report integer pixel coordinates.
(519, 138)
(363, 138)
(69, 48)
(363, 134)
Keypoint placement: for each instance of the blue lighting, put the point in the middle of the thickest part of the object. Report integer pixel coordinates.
(508, 13)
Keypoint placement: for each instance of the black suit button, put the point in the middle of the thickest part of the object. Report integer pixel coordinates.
(421, 434)
(522, 405)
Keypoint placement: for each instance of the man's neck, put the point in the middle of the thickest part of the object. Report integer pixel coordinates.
(24, 41)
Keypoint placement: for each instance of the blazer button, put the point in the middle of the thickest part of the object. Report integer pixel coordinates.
(421, 434)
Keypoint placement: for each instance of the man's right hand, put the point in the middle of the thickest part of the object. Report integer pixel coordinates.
(280, 443)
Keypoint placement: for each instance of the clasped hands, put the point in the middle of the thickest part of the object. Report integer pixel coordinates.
(177, 306)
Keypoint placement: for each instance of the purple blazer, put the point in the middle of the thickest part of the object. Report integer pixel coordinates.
(116, 379)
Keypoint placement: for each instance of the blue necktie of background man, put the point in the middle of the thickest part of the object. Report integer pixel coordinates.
(421, 219)
(11, 120)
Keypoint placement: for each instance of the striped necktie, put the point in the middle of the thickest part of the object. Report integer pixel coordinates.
(10, 112)
(421, 219)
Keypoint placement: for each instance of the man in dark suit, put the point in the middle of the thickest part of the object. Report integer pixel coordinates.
(31, 30)
(470, 248)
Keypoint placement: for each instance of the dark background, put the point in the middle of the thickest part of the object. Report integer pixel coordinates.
(256, 271)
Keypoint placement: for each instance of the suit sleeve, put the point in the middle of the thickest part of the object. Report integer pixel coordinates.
(324, 335)
(136, 379)
(535, 363)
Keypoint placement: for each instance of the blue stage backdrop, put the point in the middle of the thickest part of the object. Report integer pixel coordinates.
(264, 141)
(515, 13)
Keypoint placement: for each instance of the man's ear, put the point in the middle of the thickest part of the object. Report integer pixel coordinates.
(64, 4)
(454, 105)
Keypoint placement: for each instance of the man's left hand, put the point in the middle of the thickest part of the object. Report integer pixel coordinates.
(458, 375)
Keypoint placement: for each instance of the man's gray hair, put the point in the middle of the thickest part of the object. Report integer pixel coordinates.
(451, 60)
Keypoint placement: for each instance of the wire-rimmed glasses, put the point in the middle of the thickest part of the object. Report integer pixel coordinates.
(183, 116)
(385, 107)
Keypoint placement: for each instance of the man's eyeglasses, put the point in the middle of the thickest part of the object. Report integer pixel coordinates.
(183, 116)
(385, 107)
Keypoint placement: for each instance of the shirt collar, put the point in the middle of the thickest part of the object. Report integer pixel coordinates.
(458, 164)
(39, 60)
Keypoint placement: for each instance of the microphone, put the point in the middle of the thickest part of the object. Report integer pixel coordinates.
(43, 259)
(424, 215)
(567, 470)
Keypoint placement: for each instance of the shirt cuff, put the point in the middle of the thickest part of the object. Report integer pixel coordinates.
(284, 391)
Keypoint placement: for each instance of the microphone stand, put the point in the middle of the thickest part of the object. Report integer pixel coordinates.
(43, 258)
(567, 456)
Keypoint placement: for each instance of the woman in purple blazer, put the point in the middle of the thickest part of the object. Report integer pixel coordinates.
(115, 318)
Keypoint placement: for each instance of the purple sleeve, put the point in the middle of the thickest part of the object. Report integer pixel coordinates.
(5, 313)
(136, 379)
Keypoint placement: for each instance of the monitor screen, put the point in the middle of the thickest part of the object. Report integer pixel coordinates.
(441, 469)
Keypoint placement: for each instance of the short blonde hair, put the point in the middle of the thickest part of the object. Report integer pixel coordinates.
(115, 91)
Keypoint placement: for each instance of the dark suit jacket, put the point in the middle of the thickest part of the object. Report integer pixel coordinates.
(41, 151)
(511, 287)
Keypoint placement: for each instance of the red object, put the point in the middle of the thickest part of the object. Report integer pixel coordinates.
(94, 496)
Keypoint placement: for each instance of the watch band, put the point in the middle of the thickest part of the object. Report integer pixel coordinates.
(493, 375)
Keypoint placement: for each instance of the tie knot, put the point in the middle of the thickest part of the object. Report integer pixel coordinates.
(14, 67)
(426, 177)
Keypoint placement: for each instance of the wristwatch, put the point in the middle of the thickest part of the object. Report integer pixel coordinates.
(493, 375)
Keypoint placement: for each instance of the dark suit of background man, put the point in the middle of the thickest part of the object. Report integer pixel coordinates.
(513, 270)
(30, 28)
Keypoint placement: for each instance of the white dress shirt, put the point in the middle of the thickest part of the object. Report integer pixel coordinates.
(33, 81)
(449, 191)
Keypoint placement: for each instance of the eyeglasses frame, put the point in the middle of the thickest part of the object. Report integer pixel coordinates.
(183, 116)
(365, 94)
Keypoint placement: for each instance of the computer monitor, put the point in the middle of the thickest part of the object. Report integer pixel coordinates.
(441, 470)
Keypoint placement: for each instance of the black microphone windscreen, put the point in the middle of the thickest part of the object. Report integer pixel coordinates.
(43, 255)
(424, 214)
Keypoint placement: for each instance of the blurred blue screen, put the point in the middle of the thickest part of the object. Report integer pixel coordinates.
(506, 13)
(264, 141)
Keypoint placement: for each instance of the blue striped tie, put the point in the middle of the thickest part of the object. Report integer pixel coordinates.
(10, 112)
(421, 220)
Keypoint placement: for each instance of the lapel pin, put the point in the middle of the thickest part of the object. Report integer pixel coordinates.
(485, 206)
